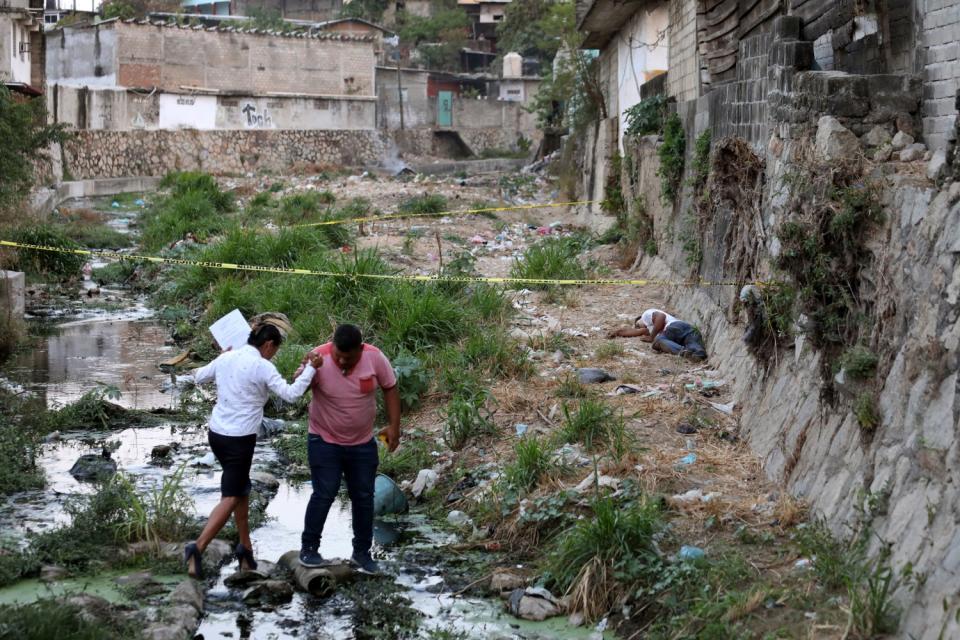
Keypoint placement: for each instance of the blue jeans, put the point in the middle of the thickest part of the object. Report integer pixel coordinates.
(681, 339)
(328, 463)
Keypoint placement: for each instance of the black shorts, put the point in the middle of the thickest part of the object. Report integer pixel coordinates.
(235, 455)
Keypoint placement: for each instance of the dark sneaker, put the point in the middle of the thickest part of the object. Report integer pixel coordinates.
(309, 557)
(365, 564)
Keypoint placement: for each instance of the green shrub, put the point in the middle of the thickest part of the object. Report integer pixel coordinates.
(532, 463)
(302, 206)
(646, 117)
(412, 456)
(425, 204)
(550, 259)
(467, 417)
(20, 443)
(671, 153)
(52, 618)
(181, 183)
(596, 426)
(47, 263)
(867, 412)
(118, 272)
(859, 362)
(412, 380)
(198, 211)
(162, 513)
(96, 236)
(607, 556)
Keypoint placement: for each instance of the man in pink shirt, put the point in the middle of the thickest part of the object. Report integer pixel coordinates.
(341, 443)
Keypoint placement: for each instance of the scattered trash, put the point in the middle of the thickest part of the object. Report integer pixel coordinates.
(692, 496)
(140, 202)
(115, 204)
(270, 427)
(687, 460)
(590, 375)
(478, 239)
(426, 480)
(591, 482)
(690, 554)
(802, 563)
(387, 497)
(533, 603)
(521, 428)
(686, 429)
(571, 455)
(459, 519)
(625, 389)
(204, 461)
(726, 409)
(707, 388)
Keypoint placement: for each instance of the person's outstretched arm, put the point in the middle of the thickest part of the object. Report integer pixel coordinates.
(290, 392)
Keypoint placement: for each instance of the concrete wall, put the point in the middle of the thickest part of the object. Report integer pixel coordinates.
(940, 57)
(171, 57)
(124, 110)
(642, 53)
(418, 109)
(104, 154)
(14, 29)
(812, 445)
(83, 56)
(683, 81)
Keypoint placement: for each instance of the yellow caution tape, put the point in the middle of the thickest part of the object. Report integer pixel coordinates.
(460, 212)
(112, 255)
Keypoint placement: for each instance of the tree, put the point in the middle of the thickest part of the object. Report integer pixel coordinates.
(371, 10)
(25, 136)
(126, 9)
(536, 28)
(439, 37)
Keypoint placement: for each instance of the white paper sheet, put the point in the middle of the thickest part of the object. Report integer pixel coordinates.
(232, 330)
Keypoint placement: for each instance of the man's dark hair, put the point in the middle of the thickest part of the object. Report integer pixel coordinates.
(347, 338)
(263, 334)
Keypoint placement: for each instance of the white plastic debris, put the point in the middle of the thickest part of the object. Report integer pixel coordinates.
(205, 461)
(459, 519)
(426, 480)
(591, 481)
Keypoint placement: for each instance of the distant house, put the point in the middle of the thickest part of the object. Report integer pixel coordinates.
(21, 45)
(123, 75)
(310, 10)
(485, 16)
(56, 10)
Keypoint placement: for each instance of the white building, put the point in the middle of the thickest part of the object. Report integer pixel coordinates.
(21, 45)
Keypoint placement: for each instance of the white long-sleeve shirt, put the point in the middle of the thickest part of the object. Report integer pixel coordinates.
(244, 382)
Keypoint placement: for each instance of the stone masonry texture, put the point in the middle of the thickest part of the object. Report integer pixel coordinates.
(110, 154)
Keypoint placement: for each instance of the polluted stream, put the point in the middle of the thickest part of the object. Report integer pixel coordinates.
(122, 349)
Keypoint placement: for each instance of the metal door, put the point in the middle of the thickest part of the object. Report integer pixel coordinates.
(445, 109)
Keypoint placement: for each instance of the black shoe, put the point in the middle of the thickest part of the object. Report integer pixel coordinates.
(365, 564)
(245, 555)
(310, 557)
(192, 552)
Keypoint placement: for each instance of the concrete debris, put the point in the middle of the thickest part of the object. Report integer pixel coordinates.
(426, 480)
(93, 466)
(264, 482)
(834, 142)
(503, 582)
(901, 141)
(913, 152)
(268, 592)
(533, 603)
(877, 137)
(937, 167)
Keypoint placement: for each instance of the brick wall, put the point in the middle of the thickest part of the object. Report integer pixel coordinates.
(683, 80)
(940, 48)
(169, 57)
(112, 154)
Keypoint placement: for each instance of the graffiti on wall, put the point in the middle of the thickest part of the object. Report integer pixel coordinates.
(254, 118)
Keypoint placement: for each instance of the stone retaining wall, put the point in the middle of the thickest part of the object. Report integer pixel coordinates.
(110, 154)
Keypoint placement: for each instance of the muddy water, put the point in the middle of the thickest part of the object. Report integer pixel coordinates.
(121, 352)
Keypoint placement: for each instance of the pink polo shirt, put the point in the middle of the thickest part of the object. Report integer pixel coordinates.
(344, 407)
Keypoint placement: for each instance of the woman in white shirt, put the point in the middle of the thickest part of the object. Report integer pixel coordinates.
(244, 379)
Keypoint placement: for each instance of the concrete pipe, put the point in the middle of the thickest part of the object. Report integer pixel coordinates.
(320, 581)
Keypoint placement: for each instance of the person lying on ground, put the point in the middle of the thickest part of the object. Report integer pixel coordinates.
(666, 333)
(244, 380)
(341, 444)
